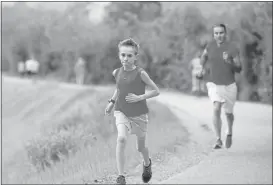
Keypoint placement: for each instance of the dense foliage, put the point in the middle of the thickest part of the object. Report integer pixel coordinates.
(169, 34)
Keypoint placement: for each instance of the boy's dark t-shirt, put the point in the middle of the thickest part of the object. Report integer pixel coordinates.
(220, 72)
(130, 82)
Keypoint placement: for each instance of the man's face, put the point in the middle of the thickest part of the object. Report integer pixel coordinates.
(127, 55)
(219, 34)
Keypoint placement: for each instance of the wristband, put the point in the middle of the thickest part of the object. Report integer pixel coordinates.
(111, 101)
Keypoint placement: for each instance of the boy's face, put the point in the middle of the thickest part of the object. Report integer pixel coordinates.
(127, 55)
(219, 34)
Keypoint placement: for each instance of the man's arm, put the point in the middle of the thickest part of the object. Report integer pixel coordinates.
(236, 63)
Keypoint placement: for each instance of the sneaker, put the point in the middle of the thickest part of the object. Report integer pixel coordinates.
(147, 172)
(218, 144)
(228, 141)
(121, 180)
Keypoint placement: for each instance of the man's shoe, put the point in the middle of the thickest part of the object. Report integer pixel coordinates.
(228, 142)
(218, 144)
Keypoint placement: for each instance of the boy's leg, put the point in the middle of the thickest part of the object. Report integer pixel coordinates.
(139, 128)
(147, 164)
(141, 147)
(123, 127)
(120, 148)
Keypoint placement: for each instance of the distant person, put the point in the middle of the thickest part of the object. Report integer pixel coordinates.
(21, 68)
(32, 67)
(131, 109)
(224, 61)
(80, 71)
(198, 84)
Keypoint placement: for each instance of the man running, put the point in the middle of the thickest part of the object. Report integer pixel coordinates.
(224, 61)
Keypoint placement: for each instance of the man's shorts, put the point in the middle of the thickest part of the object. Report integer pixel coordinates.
(135, 125)
(226, 94)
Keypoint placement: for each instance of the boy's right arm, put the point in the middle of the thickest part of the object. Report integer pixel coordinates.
(111, 103)
(115, 95)
(113, 100)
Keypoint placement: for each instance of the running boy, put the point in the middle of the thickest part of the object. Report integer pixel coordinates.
(131, 109)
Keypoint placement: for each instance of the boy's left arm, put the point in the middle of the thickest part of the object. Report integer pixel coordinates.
(131, 98)
(149, 82)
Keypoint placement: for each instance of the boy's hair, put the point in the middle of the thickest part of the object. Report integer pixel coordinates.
(129, 42)
(220, 25)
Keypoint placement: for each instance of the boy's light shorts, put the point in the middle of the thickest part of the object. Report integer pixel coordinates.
(135, 125)
(226, 94)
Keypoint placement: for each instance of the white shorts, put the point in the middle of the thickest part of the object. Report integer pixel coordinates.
(226, 94)
(135, 125)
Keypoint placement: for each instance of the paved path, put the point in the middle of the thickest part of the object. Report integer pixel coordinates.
(250, 158)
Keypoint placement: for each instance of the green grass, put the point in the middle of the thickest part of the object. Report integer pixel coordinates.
(79, 146)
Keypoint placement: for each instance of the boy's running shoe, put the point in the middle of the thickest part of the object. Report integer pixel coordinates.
(121, 180)
(147, 172)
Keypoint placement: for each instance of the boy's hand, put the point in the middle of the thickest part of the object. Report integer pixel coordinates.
(132, 98)
(109, 108)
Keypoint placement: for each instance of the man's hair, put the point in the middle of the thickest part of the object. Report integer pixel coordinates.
(129, 42)
(220, 25)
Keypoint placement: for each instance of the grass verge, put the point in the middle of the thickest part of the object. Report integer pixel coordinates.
(79, 146)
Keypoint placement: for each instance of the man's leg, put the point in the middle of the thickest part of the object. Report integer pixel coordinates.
(230, 96)
(217, 123)
(230, 120)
